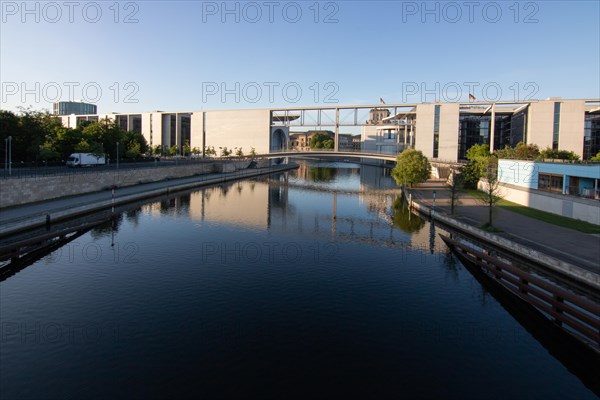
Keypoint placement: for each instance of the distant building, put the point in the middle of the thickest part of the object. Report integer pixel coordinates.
(300, 141)
(377, 115)
(442, 131)
(356, 142)
(73, 107)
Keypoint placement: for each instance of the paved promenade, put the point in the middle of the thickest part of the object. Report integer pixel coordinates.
(581, 249)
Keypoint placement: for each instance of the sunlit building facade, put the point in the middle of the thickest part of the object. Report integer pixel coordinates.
(442, 131)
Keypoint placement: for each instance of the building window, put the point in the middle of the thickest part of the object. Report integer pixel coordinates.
(591, 135)
(550, 183)
(472, 130)
(436, 132)
(556, 126)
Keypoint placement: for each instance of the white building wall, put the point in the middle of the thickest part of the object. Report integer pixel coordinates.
(368, 136)
(156, 125)
(424, 128)
(146, 129)
(540, 124)
(238, 128)
(196, 137)
(448, 144)
(572, 124)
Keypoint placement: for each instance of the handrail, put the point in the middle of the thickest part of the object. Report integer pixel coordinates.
(582, 315)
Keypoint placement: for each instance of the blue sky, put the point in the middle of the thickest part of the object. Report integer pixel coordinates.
(192, 55)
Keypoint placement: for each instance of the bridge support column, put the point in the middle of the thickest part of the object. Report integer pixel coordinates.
(492, 127)
(336, 145)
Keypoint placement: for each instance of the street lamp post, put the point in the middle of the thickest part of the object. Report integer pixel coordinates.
(433, 207)
(5, 155)
(117, 155)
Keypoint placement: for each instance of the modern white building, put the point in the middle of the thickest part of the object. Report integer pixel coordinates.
(442, 131)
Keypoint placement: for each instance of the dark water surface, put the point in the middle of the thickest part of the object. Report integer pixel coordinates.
(308, 284)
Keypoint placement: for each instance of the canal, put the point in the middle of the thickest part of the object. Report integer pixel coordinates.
(313, 283)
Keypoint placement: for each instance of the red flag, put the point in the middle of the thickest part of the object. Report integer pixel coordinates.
(471, 97)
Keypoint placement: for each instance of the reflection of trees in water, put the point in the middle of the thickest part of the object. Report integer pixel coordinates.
(133, 215)
(451, 264)
(111, 225)
(322, 174)
(403, 218)
(167, 206)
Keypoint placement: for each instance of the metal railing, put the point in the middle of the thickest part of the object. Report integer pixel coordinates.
(572, 312)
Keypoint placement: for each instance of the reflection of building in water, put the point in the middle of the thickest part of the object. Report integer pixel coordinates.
(378, 202)
(242, 203)
(373, 177)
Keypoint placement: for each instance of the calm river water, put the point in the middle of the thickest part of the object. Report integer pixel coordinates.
(313, 283)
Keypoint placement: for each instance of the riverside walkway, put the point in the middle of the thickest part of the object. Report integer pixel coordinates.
(18, 218)
(578, 248)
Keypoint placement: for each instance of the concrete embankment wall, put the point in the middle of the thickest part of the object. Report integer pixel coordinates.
(565, 268)
(19, 191)
(567, 206)
(41, 219)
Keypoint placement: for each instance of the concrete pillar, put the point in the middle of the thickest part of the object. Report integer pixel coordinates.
(492, 127)
(337, 130)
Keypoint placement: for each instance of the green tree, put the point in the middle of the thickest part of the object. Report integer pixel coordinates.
(596, 158)
(404, 219)
(549, 153)
(492, 193)
(239, 152)
(411, 167)
(526, 151)
(210, 151)
(321, 140)
(225, 152)
(253, 152)
(107, 132)
(173, 150)
(456, 186)
(133, 150)
(506, 153)
(47, 152)
(186, 149)
(479, 158)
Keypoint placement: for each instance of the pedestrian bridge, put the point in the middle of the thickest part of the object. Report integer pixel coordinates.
(344, 155)
(330, 153)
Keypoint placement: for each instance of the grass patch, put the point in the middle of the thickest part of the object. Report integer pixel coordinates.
(550, 218)
(490, 228)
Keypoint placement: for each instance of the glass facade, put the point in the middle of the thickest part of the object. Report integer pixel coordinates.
(510, 129)
(72, 107)
(136, 123)
(173, 130)
(591, 136)
(122, 122)
(556, 126)
(472, 129)
(550, 183)
(436, 131)
(186, 130)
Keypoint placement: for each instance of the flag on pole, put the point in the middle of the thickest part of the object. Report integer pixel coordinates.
(471, 97)
(381, 100)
